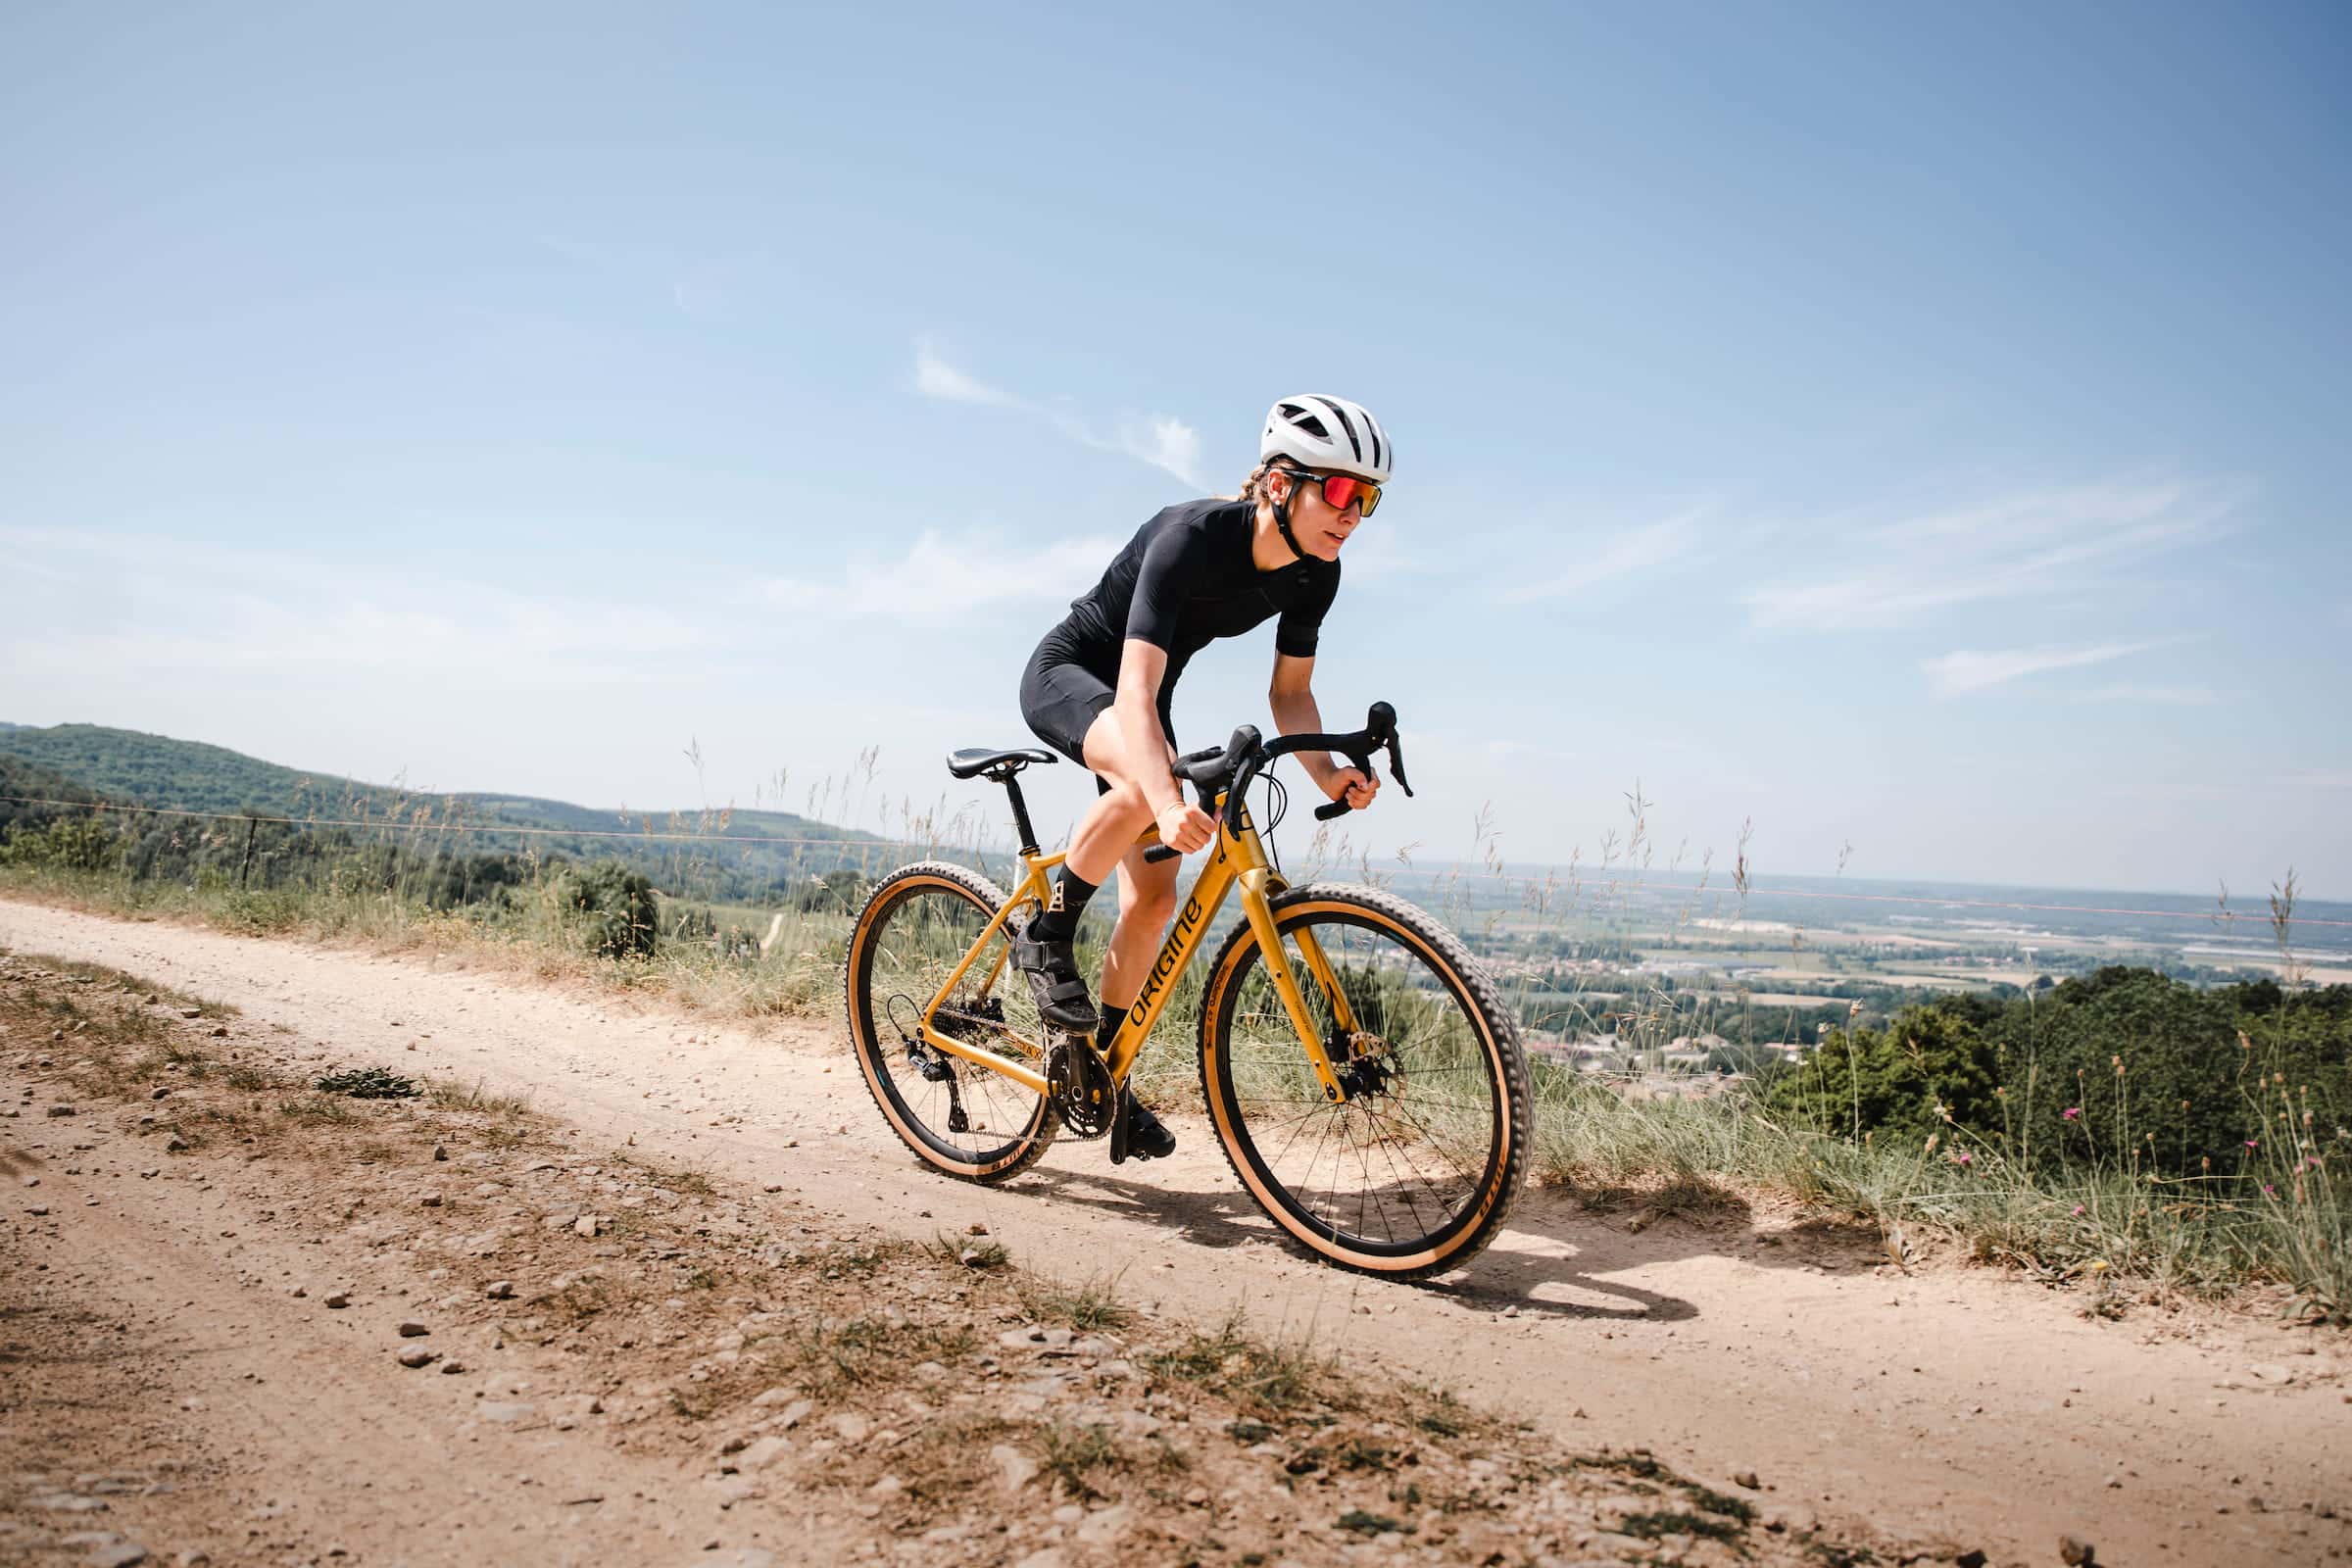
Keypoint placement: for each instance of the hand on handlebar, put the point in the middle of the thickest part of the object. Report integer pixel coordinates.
(1353, 785)
(1184, 826)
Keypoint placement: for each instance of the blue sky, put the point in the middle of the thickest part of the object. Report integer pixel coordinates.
(1922, 431)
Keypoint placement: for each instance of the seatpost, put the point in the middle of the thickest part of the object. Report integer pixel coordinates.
(1021, 810)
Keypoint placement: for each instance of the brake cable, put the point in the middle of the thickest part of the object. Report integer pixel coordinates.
(1278, 801)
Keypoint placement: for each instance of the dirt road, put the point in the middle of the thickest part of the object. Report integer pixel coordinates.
(1950, 1405)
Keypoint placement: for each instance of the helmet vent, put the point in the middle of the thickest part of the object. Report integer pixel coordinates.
(1356, 443)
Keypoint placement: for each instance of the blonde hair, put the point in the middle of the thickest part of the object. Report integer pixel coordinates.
(1254, 488)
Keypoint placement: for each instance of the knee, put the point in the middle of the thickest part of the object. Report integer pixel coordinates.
(1128, 799)
(1150, 899)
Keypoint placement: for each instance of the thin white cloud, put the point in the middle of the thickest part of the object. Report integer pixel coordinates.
(1972, 670)
(2019, 546)
(173, 606)
(940, 576)
(1165, 442)
(1162, 440)
(1617, 554)
(935, 377)
(2178, 696)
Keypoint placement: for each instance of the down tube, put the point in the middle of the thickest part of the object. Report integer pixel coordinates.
(1192, 920)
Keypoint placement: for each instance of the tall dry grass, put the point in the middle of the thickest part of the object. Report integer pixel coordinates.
(2282, 1218)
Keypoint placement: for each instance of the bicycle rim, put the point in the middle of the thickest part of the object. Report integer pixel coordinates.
(915, 930)
(1411, 1175)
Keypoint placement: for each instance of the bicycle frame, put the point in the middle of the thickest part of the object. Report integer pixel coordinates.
(1239, 862)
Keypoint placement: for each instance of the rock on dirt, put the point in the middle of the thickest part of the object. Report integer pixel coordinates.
(1015, 1469)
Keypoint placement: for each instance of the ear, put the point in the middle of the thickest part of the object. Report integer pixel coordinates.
(1278, 484)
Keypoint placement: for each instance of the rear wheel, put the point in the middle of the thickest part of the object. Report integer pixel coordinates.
(1412, 1173)
(959, 1116)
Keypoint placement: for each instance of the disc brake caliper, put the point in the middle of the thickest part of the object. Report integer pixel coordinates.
(1363, 1062)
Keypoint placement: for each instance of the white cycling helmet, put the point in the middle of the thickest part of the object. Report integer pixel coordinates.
(1329, 433)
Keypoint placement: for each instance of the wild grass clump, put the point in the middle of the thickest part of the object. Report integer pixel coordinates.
(369, 1083)
(477, 1097)
(1262, 1378)
(1090, 1306)
(1075, 1455)
(835, 1355)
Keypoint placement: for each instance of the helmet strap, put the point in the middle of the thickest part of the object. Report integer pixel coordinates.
(1282, 516)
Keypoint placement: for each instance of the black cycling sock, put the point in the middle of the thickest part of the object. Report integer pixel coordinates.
(1110, 1028)
(1060, 922)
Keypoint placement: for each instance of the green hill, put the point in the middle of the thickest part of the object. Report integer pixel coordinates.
(25, 787)
(740, 854)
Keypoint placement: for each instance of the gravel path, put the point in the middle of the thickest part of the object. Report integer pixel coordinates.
(1952, 1404)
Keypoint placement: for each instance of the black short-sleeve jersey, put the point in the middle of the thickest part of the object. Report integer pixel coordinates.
(1186, 579)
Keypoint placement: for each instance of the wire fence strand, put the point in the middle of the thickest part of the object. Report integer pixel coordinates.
(643, 835)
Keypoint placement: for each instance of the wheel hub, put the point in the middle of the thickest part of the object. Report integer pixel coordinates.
(1364, 1064)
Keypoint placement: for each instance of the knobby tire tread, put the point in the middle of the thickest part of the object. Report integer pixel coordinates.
(1477, 985)
(873, 1062)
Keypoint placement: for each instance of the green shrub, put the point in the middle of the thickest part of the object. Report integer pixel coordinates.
(2125, 1066)
(69, 844)
(612, 909)
(1924, 1069)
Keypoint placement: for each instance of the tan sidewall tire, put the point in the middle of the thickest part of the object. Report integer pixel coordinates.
(1472, 988)
(1028, 1146)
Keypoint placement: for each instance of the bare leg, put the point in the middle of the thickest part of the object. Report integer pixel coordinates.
(1111, 825)
(1147, 898)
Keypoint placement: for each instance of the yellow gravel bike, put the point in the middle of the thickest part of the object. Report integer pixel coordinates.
(1364, 1076)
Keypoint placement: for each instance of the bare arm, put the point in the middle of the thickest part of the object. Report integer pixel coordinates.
(1135, 720)
(1293, 698)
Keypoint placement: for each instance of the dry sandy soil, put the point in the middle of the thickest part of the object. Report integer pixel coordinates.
(1922, 1414)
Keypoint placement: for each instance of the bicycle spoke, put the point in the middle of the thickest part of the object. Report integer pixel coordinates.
(1405, 1155)
(914, 940)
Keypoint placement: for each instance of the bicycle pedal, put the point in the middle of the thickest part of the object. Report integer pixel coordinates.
(1120, 1117)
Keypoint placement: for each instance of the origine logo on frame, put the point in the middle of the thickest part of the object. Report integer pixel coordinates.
(1171, 953)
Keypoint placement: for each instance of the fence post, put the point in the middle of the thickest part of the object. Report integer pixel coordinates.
(251, 823)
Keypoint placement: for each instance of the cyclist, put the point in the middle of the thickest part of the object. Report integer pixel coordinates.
(1097, 688)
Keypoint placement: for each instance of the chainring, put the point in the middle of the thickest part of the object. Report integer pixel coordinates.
(1079, 1086)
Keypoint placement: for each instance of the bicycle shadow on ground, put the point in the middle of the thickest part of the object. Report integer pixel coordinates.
(1561, 1254)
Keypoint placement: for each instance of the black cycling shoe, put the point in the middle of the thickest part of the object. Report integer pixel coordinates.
(1053, 972)
(1146, 1137)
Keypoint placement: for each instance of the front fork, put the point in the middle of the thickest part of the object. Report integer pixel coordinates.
(1259, 885)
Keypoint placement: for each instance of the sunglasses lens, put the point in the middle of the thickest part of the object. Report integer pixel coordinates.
(1339, 489)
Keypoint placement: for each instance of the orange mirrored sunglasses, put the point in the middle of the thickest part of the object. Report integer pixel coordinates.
(1341, 490)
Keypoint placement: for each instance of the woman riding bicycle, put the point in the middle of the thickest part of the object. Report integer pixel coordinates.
(1097, 688)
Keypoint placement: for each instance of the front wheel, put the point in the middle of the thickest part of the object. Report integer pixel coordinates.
(1413, 1172)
